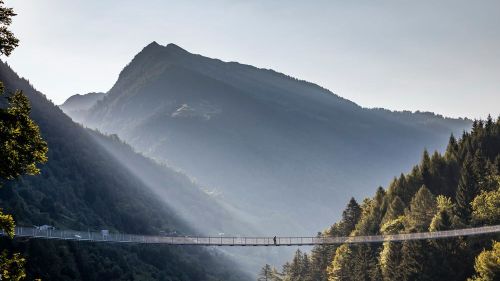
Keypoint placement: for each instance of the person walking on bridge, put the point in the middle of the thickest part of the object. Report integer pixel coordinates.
(274, 240)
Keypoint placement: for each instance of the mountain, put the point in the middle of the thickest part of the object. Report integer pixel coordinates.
(84, 186)
(77, 105)
(285, 152)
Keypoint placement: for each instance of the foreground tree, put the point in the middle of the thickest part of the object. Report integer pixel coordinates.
(487, 264)
(21, 147)
(8, 42)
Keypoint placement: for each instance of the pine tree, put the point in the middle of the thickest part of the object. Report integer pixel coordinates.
(372, 210)
(305, 272)
(489, 125)
(414, 253)
(363, 263)
(414, 259)
(299, 269)
(466, 191)
(322, 255)
(390, 258)
(339, 269)
(396, 208)
(425, 169)
(421, 211)
(452, 149)
(350, 217)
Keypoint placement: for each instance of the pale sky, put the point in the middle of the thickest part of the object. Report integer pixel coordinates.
(440, 56)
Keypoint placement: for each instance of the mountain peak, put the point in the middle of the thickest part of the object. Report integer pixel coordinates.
(170, 48)
(153, 46)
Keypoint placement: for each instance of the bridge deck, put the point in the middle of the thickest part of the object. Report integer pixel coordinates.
(34, 233)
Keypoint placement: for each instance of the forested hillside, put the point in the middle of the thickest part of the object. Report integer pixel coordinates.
(82, 186)
(202, 212)
(457, 189)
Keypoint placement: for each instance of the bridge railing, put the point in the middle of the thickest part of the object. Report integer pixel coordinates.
(37, 233)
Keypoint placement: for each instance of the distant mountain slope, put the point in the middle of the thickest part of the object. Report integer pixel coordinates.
(77, 105)
(278, 148)
(204, 214)
(83, 186)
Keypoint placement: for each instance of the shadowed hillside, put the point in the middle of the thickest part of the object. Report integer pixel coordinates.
(84, 187)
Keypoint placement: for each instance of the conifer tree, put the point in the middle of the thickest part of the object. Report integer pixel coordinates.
(390, 256)
(364, 263)
(446, 254)
(414, 261)
(425, 169)
(452, 149)
(350, 217)
(339, 269)
(396, 208)
(322, 255)
(466, 191)
(421, 211)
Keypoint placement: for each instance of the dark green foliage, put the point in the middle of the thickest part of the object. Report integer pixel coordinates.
(21, 145)
(364, 263)
(299, 269)
(350, 217)
(396, 208)
(457, 190)
(51, 260)
(466, 191)
(8, 42)
(421, 211)
(390, 262)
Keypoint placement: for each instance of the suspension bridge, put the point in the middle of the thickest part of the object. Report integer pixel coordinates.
(105, 236)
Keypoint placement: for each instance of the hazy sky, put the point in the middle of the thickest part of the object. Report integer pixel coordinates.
(441, 56)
